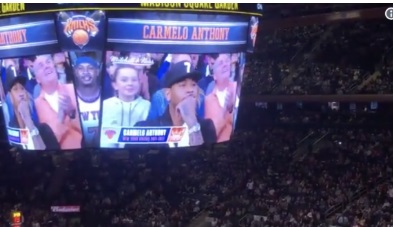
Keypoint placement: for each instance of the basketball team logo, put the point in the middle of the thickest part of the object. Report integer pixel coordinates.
(81, 28)
(253, 29)
(176, 134)
(24, 136)
(110, 133)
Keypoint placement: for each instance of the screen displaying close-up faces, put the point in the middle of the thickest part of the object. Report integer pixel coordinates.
(94, 79)
(177, 99)
(41, 107)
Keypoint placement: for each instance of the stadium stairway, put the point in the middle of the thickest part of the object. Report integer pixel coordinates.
(369, 79)
(308, 144)
(305, 53)
(57, 177)
(334, 212)
(200, 220)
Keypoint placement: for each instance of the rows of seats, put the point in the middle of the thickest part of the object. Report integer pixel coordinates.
(254, 180)
(323, 59)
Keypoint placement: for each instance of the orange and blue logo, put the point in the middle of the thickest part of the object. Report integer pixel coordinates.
(110, 133)
(81, 28)
(176, 134)
(24, 136)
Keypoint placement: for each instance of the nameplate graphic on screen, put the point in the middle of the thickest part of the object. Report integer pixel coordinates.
(24, 36)
(186, 35)
(18, 136)
(143, 135)
(82, 30)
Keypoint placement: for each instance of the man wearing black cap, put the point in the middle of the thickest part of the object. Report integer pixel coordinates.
(40, 135)
(181, 91)
(87, 80)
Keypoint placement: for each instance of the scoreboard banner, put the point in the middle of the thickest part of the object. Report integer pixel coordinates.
(123, 75)
(27, 35)
(192, 34)
(226, 8)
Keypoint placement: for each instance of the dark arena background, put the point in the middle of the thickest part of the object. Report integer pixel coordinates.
(196, 114)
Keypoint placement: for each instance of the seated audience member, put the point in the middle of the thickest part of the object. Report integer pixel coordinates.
(158, 99)
(56, 105)
(39, 135)
(128, 107)
(219, 105)
(182, 93)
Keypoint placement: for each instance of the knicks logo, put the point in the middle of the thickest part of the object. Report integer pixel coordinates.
(109, 133)
(24, 136)
(80, 29)
(176, 134)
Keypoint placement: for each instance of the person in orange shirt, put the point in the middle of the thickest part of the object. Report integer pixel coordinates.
(219, 104)
(56, 104)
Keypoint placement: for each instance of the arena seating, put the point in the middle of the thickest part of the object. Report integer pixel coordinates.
(299, 166)
(263, 175)
(344, 58)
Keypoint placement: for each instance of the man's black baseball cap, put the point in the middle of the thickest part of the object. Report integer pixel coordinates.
(17, 80)
(179, 72)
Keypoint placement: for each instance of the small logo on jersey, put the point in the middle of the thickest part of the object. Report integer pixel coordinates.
(81, 28)
(254, 29)
(176, 134)
(389, 13)
(24, 136)
(110, 133)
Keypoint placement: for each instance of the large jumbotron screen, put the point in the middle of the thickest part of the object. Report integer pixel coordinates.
(150, 74)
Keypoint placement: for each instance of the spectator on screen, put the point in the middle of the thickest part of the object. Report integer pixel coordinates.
(141, 62)
(182, 93)
(152, 71)
(39, 136)
(4, 106)
(107, 90)
(56, 104)
(158, 100)
(9, 71)
(220, 103)
(207, 69)
(63, 68)
(127, 107)
(88, 90)
(234, 73)
(28, 72)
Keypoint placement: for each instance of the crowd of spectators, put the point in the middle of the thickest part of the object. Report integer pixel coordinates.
(373, 209)
(301, 192)
(256, 180)
(323, 59)
(300, 167)
(277, 10)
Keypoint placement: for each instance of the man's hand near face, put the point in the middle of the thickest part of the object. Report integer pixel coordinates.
(187, 109)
